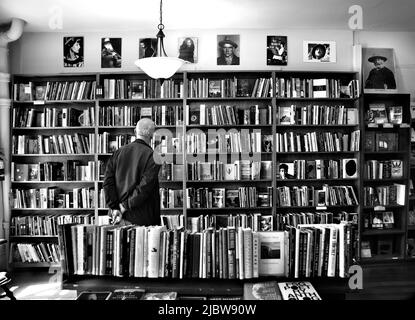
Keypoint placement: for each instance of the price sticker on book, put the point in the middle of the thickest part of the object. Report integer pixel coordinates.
(373, 125)
(404, 125)
(321, 208)
(39, 102)
(379, 208)
(388, 125)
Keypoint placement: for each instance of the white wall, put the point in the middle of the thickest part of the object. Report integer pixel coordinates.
(42, 52)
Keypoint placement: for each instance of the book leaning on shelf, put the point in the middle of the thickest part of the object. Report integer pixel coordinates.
(384, 195)
(34, 252)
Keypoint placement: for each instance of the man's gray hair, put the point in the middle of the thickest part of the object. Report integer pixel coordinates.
(145, 128)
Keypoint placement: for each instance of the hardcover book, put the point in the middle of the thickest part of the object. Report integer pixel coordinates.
(395, 114)
(377, 113)
(137, 89)
(396, 169)
(262, 291)
(286, 116)
(229, 169)
(40, 92)
(272, 253)
(232, 198)
(301, 290)
(218, 197)
(214, 89)
(386, 141)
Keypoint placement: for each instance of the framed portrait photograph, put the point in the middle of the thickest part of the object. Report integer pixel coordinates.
(187, 48)
(277, 53)
(147, 47)
(73, 52)
(228, 49)
(319, 51)
(378, 70)
(111, 53)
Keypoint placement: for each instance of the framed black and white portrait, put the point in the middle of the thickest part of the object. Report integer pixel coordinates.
(111, 53)
(319, 51)
(147, 47)
(378, 70)
(73, 52)
(187, 48)
(228, 49)
(277, 53)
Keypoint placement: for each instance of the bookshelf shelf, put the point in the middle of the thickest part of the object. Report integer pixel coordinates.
(317, 207)
(230, 98)
(320, 152)
(53, 128)
(382, 232)
(327, 126)
(383, 258)
(23, 265)
(76, 155)
(142, 100)
(229, 126)
(227, 181)
(314, 180)
(133, 127)
(384, 180)
(411, 227)
(52, 182)
(229, 208)
(386, 207)
(41, 102)
(12, 238)
(49, 211)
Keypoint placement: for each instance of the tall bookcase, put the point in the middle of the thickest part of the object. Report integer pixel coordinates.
(316, 119)
(386, 163)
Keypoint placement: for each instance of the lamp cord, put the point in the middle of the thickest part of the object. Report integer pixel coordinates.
(161, 25)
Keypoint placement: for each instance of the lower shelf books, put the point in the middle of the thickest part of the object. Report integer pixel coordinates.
(384, 195)
(262, 291)
(34, 252)
(302, 290)
(319, 250)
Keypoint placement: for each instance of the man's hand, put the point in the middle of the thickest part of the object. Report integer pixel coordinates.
(116, 216)
(122, 208)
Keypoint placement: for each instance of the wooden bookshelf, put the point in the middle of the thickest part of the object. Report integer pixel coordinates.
(180, 96)
(391, 241)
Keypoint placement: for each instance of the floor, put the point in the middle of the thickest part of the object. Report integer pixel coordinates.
(379, 282)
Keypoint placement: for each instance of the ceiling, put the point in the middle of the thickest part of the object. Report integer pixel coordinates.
(129, 15)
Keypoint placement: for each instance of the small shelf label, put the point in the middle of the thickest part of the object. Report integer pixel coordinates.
(379, 208)
(373, 125)
(321, 208)
(388, 125)
(404, 125)
(39, 102)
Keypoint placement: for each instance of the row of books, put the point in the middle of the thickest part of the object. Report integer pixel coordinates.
(53, 144)
(381, 141)
(295, 87)
(384, 195)
(55, 90)
(242, 197)
(386, 169)
(70, 170)
(237, 141)
(295, 219)
(130, 115)
(320, 250)
(35, 252)
(318, 169)
(142, 89)
(53, 197)
(108, 143)
(317, 141)
(310, 196)
(171, 198)
(53, 117)
(230, 88)
(45, 225)
(228, 115)
(219, 171)
(317, 115)
(254, 221)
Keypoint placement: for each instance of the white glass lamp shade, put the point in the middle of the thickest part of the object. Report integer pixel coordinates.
(160, 67)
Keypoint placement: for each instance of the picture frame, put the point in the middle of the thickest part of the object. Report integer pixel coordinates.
(378, 70)
(277, 50)
(188, 49)
(73, 52)
(319, 51)
(228, 49)
(111, 52)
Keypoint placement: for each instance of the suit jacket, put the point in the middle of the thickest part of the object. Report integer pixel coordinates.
(131, 178)
(377, 79)
(222, 61)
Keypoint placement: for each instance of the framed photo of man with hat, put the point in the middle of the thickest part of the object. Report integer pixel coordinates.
(228, 50)
(319, 51)
(378, 70)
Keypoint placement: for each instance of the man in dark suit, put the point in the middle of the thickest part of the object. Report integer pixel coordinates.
(131, 180)
(228, 56)
(380, 77)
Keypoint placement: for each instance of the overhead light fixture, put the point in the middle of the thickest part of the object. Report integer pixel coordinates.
(159, 65)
